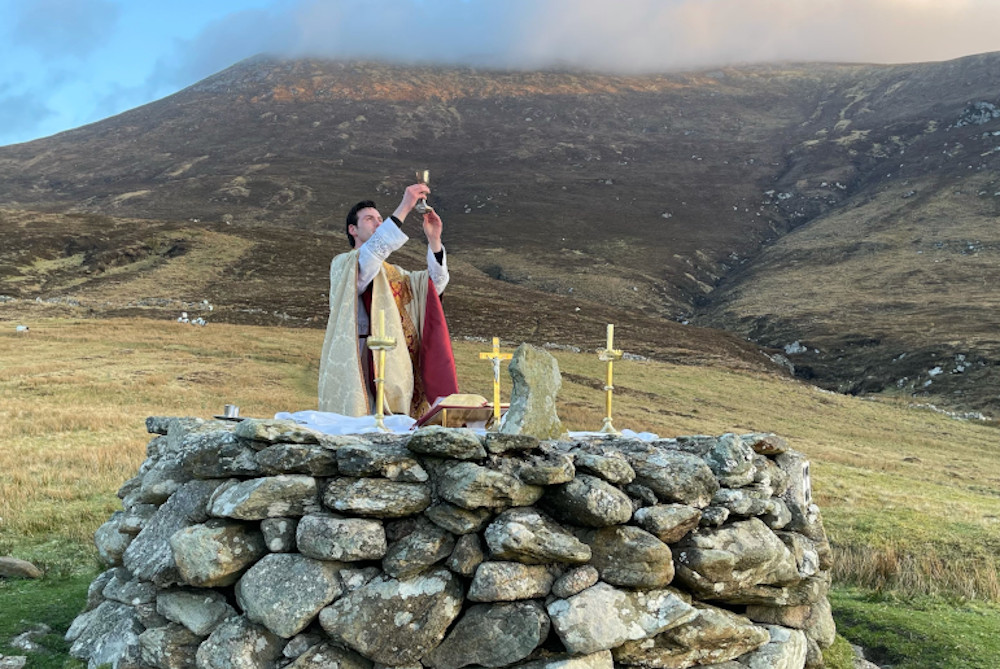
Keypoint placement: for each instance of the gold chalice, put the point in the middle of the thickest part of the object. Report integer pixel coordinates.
(423, 177)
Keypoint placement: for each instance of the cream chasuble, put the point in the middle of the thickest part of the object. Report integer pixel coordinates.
(341, 379)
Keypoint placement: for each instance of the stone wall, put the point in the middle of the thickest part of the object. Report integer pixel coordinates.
(264, 544)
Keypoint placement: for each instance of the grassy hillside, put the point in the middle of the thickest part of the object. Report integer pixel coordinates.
(909, 495)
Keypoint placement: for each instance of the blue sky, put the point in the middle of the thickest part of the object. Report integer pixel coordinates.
(66, 63)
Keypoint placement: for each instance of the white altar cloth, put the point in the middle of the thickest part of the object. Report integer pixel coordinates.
(334, 423)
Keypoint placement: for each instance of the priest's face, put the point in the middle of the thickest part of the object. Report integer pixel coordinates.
(368, 221)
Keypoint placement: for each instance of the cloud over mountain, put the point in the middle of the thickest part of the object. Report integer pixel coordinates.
(124, 54)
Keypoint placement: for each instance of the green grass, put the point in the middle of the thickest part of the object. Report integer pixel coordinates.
(53, 601)
(909, 496)
(919, 632)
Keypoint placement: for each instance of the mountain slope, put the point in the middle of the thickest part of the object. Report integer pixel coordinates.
(782, 202)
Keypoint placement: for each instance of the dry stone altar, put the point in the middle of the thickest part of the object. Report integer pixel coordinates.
(264, 544)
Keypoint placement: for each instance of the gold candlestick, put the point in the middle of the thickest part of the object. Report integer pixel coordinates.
(380, 343)
(609, 355)
(495, 356)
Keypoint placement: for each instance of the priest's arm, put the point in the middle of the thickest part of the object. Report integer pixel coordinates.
(388, 238)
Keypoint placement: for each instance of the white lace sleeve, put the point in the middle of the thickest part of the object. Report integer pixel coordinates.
(439, 272)
(387, 238)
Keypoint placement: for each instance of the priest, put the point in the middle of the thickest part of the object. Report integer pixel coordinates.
(421, 368)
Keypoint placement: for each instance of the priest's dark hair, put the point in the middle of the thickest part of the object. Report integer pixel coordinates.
(352, 217)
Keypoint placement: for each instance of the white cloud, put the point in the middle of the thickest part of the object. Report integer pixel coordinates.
(603, 35)
(620, 36)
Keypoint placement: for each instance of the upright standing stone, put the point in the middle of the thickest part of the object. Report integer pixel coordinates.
(533, 398)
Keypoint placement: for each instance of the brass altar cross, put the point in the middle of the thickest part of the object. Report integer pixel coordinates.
(381, 343)
(609, 355)
(495, 356)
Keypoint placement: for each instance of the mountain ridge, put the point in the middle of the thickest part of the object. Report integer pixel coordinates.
(663, 195)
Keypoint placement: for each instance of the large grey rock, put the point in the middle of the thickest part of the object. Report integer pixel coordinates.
(674, 476)
(525, 535)
(806, 591)
(124, 589)
(216, 552)
(641, 495)
(610, 466)
(425, 546)
(806, 517)
(806, 553)
(816, 619)
(630, 557)
(731, 460)
(149, 556)
(163, 477)
(457, 520)
(310, 459)
(325, 536)
(575, 581)
(108, 634)
(395, 622)
(284, 593)
(668, 522)
(697, 444)
(547, 469)
(498, 581)
(328, 656)
(604, 617)
(467, 555)
(266, 497)
(820, 626)
(148, 616)
(110, 541)
(744, 502)
(765, 443)
(228, 456)
(11, 567)
(498, 443)
(391, 461)
(444, 442)
(200, 611)
(135, 518)
(712, 636)
(377, 498)
(95, 593)
(187, 435)
(713, 516)
(472, 486)
(169, 647)
(536, 378)
(778, 515)
(492, 635)
(273, 430)
(786, 649)
(589, 501)
(719, 564)
(240, 644)
(776, 477)
(158, 424)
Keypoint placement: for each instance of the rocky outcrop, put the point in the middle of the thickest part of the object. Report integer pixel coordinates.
(264, 544)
